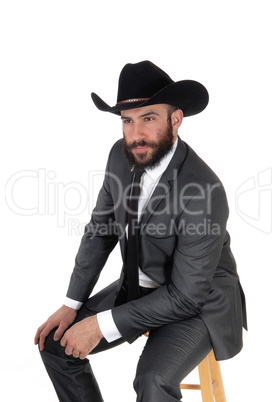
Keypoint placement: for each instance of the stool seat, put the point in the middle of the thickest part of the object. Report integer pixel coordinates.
(211, 384)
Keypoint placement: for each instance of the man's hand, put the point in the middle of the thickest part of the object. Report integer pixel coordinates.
(62, 319)
(82, 337)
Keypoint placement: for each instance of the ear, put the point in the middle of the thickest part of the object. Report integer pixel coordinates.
(176, 119)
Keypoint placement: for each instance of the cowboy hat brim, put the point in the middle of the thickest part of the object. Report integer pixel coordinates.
(189, 96)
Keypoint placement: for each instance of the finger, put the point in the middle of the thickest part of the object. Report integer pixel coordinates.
(42, 339)
(63, 342)
(43, 335)
(83, 355)
(68, 350)
(61, 329)
(76, 353)
(39, 330)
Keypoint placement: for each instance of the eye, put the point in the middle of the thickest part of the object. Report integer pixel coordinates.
(127, 121)
(149, 118)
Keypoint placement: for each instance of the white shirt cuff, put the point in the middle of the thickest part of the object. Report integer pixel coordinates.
(107, 326)
(73, 303)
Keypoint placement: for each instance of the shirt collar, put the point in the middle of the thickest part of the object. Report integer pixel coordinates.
(157, 171)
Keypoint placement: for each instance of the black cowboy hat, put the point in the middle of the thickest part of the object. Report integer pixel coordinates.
(144, 84)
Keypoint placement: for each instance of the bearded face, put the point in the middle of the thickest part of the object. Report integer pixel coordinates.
(143, 154)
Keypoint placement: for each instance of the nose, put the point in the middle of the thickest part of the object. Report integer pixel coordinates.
(137, 132)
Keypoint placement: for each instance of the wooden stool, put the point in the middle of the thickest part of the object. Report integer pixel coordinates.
(211, 384)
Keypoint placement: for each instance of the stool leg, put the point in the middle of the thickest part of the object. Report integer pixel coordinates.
(218, 388)
(206, 380)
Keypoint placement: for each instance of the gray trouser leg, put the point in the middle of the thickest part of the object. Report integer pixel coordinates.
(171, 353)
(73, 378)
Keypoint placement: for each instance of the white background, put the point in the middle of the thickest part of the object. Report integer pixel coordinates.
(53, 55)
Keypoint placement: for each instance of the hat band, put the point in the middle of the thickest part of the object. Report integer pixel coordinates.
(132, 100)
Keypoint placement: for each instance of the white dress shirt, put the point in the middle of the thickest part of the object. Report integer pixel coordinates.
(148, 183)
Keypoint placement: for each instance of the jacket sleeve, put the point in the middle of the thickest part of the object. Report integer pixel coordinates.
(99, 239)
(201, 232)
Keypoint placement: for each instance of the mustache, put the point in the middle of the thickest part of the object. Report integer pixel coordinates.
(140, 143)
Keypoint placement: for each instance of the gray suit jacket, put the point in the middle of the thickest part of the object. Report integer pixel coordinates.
(184, 246)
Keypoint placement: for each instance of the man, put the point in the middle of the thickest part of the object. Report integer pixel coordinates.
(179, 279)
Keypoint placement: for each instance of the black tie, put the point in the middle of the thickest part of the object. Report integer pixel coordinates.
(132, 260)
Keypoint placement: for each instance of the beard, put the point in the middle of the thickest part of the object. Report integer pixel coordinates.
(160, 149)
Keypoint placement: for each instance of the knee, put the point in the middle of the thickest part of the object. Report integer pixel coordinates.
(150, 385)
(52, 347)
(146, 380)
(145, 383)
